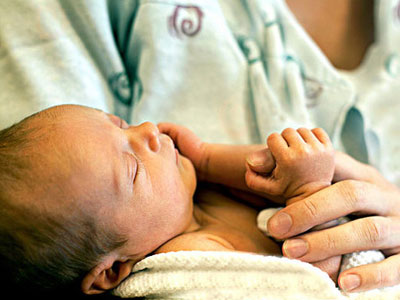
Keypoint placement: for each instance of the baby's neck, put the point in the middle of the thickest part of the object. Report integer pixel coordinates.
(196, 223)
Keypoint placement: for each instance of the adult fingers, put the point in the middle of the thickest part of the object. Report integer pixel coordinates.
(362, 234)
(261, 161)
(340, 199)
(376, 275)
(265, 185)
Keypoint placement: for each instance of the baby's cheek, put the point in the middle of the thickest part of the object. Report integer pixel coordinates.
(188, 175)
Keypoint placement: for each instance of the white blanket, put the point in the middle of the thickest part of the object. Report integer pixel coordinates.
(234, 275)
(237, 275)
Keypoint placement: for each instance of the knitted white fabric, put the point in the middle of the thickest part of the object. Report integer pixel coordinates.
(238, 275)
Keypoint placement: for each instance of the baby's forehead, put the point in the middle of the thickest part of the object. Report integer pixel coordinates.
(66, 120)
(68, 110)
(63, 130)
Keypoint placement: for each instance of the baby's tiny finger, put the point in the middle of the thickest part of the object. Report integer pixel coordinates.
(164, 126)
(322, 136)
(292, 137)
(168, 129)
(308, 136)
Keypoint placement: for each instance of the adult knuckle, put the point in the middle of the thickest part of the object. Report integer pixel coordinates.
(378, 279)
(385, 277)
(376, 230)
(331, 243)
(353, 193)
(310, 208)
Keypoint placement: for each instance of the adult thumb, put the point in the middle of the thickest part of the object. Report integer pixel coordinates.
(261, 161)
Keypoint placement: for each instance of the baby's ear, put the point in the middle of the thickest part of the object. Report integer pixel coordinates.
(106, 276)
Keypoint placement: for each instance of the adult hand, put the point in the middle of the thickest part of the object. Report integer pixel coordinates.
(262, 174)
(379, 229)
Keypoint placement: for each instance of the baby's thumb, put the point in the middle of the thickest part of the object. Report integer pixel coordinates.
(261, 161)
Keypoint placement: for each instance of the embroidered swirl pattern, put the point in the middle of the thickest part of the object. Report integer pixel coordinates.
(185, 20)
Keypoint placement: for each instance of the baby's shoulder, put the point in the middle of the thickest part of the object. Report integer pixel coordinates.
(196, 241)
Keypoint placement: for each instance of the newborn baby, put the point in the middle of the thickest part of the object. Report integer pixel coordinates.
(84, 196)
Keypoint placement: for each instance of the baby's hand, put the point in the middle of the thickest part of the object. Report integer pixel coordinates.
(304, 160)
(188, 144)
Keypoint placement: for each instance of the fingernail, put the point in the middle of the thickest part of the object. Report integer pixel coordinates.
(256, 159)
(295, 248)
(280, 224)
(350, 282)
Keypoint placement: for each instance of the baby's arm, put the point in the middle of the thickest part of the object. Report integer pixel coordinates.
(304, 162)
(216, 163)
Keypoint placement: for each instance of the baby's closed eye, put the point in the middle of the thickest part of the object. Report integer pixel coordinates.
(119, 122)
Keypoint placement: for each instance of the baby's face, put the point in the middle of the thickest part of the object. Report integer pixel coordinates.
(129, 177)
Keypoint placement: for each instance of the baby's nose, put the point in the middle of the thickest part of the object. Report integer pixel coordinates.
(150, 135)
